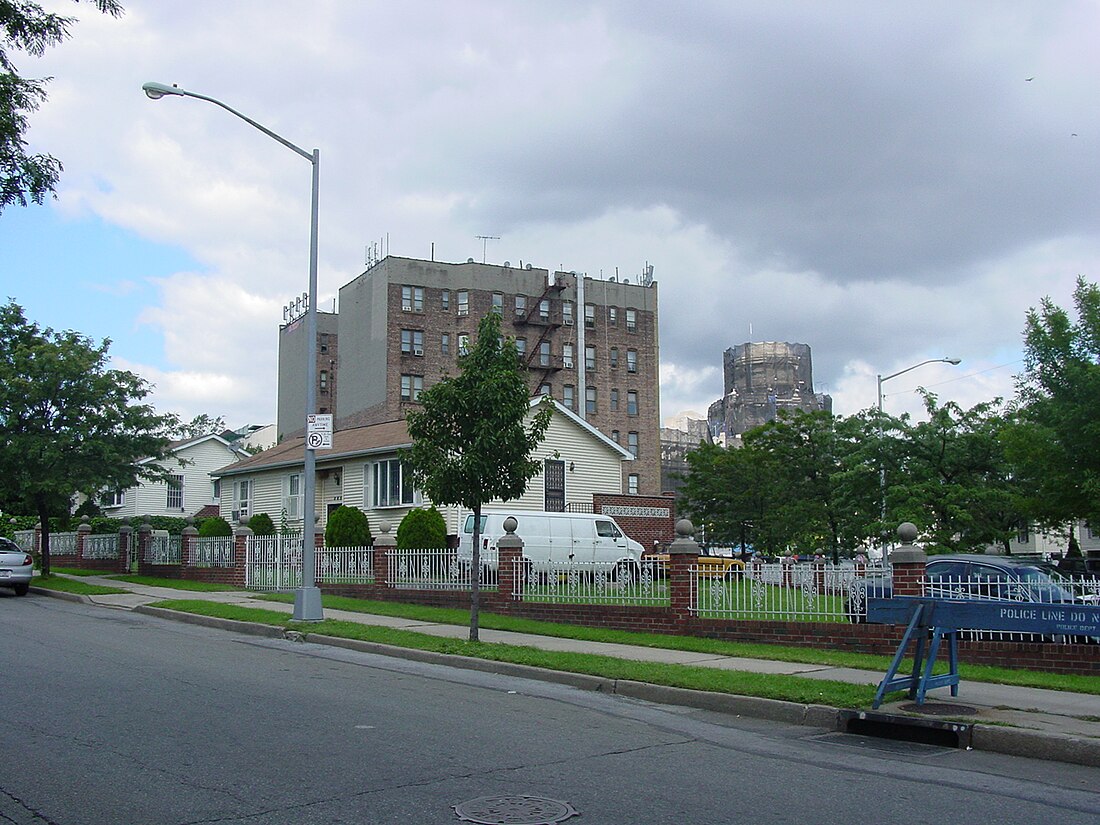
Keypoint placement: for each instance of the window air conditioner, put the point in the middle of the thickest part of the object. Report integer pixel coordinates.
(406, 308)
(418, 352)
(568, 363)
(569, 322)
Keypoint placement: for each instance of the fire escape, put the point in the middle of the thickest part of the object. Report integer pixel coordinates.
(545, 315)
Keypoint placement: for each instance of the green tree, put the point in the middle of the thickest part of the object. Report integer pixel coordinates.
(199, 426)
(348, 527)
(422, 529)
(726, 493)
(470, 443)
(67, 423)
(25, 26)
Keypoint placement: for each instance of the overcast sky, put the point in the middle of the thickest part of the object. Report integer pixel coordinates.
(887, 182)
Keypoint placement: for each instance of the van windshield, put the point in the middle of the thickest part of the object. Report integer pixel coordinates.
(469, 528)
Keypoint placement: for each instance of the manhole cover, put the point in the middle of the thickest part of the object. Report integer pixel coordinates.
(939, 709)
(514, 810)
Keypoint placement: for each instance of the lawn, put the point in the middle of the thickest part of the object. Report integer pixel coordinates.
(65, 585)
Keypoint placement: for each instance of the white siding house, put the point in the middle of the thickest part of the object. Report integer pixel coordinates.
(363, 470)
(192, 462)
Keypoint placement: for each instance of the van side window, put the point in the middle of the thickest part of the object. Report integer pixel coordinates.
(607, 530)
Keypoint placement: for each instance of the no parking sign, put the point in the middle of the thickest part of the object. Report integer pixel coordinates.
(319, 431)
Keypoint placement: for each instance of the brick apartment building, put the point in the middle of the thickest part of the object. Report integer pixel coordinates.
(591, 344)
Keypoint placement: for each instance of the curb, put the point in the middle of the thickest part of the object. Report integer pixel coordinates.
(61, 594)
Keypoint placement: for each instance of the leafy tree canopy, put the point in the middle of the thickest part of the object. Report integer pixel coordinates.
(25, 26)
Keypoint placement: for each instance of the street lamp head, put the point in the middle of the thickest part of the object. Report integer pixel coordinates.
(953, 361)
(155, 91)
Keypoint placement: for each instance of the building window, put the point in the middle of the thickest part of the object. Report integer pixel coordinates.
(632, 484)
(216, 490)
(175, 493)
(631, 320)
(445, 300)
(1022, 534)
(613, 316)
(544, 311)
(631, 402)
(115, 498)
(411, 387)
(590, 399)
(242, 497)
(544, 354)
(521, 305)
(498, 303)
(590, 358)
(545, 389)
(412, 298)
(613, 358)
(615, 436)
(632, 443)
(567, 396)
(567, 313)
(567, 356)
(324, 342)
(463, 302)
(614, 400)
(632, 360)
(412, 342)
(463, 343)
(590, 315)
(293, 501)
(445, 343)
(521, 348)
(390, 487)
(322, 381)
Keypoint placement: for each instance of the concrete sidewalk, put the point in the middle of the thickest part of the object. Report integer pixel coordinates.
(1017, 720)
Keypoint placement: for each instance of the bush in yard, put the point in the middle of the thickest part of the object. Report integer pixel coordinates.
(347, 527)
(262, 525)
(422, 530)
(214, 526)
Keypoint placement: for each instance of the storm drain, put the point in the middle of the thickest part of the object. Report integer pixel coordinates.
(907, 728)
(514, 810)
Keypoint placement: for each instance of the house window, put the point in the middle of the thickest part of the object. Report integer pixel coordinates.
(445, 343)
(632, 360)
(632, 443)
(590, 315)
(631, 403)
(567, 356)
(412, 342)
(463, 343)
(498, 303)
(544, 311)
(412, 299)
(216, 490)
(590, 399)
(613, 316)
(445, 300)
(411, 387)
(390, 487)
(613, 358)
(1089, 532)
(114, 498)
(614, 400)
(567, 313)
(1022, 534)
(521, 305)
(545, 389)
(590, 358)
(632, 484)
(242, 496)
(567, 396)
(463, 302)
(631, 320)
(293, 500)
(544, 354)
(175, 493)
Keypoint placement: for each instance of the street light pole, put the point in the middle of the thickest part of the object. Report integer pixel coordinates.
(307, 598)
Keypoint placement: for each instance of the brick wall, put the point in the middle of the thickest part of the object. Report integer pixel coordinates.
(646, 519)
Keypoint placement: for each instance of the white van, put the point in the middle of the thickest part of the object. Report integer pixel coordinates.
(554, 538)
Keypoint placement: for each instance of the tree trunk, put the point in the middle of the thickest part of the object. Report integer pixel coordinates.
(475, 575)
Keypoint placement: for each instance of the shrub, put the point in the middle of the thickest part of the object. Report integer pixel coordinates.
(422, 530)
(215, 526)
(262, 525)
(172, 524)
(347, 527)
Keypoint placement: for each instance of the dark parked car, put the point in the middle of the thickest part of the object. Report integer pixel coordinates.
(960, 576)
(16, 567)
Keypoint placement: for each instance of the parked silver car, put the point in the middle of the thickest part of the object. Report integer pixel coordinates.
(16, 567)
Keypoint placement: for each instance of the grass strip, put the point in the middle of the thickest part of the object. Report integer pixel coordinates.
(175, 584)
(74, 586)
(766, 685)
(780, 653)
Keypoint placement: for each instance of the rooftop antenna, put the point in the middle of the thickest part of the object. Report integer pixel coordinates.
(484, 241)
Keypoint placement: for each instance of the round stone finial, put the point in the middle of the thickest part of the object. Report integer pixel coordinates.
(907, 532)
(384, 527)
(85, 520)
(190, 521)
(510, 524)
(685, 529)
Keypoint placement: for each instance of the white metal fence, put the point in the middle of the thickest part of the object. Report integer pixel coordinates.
(101, 546)
(593, 582)
(25, 540)
(345, 565)
(275, 563)
(63, 544)
(439, 570)
(212, 551)
(163, 550)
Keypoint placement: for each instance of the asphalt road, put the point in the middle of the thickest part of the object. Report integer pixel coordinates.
(113, 717)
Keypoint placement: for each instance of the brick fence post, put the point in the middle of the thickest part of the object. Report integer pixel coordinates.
(83, 530)
(383, 544)
(683, 556)
(908, 563)
(187, 545)
(511, 576)
(125, 547)
(241, 536)
(144, 541)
